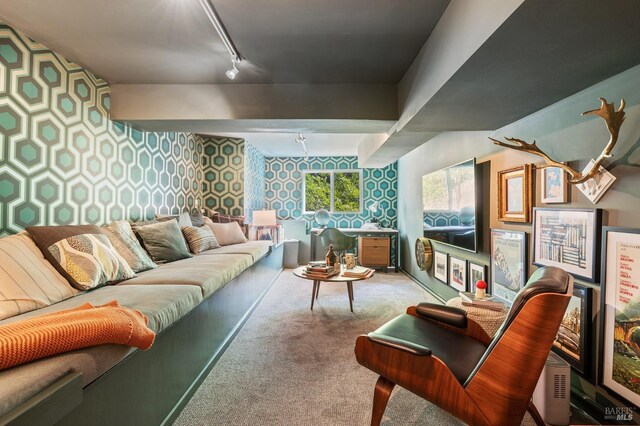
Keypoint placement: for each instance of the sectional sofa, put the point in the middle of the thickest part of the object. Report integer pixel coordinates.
(195, 306)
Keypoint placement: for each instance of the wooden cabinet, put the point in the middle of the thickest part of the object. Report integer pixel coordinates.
(374, 251)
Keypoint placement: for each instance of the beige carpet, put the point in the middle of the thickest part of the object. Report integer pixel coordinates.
(293, 366)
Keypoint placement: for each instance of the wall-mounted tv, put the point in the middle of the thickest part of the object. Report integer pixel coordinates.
(449, 209)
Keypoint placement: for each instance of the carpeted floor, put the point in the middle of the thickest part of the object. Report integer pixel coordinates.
(293, 366)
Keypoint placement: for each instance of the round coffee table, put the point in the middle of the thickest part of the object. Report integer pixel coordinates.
(335, 279)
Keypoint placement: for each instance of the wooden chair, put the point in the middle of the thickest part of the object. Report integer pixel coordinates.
(439, 354)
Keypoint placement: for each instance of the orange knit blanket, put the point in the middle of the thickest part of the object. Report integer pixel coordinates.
(71, 329)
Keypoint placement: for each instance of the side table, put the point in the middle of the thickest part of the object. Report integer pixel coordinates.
(488, 319)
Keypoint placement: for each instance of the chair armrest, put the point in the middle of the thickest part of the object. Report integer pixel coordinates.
(399, 344)
(449, 315)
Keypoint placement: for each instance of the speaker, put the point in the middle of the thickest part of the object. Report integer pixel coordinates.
(553, 391)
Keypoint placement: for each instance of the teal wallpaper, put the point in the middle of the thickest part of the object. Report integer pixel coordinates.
(62, 161)
(254, 183)
(223, 174)
(283, 180)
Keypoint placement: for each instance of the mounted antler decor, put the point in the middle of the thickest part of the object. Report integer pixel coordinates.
(613, 120)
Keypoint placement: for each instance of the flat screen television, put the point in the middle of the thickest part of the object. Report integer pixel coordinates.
(449, 208)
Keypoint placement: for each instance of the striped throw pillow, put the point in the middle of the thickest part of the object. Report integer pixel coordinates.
(200, 238)
(27, 279)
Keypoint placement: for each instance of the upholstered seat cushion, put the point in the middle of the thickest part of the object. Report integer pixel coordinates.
(209, 273)
(256, 249)
(163, 305)
(460, 353)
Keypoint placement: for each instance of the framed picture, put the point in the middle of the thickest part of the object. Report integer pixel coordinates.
(554, 185)
(568, 239)
(458, 273)
(477, 272)
(514, 194)
(440, 266)
(573, 341)
(595, 187)
(619, 313)
(508, 263)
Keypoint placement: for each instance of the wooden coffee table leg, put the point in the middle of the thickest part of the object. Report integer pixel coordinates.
(351, 288)
(313, 293)
(318, 289)
(350, 293)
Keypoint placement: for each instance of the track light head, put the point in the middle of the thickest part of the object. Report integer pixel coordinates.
(233, 72)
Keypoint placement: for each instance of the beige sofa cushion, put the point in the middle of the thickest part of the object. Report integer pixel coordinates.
(27, 280)
(256, 249)
(210, 273)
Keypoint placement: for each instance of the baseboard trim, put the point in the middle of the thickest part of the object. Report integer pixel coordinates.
(186, 397)
(424, 286)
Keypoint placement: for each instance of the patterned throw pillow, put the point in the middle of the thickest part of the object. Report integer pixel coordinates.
(226, 233)
(126, 244)
(200, 238)
(83, 254)
(27, 280)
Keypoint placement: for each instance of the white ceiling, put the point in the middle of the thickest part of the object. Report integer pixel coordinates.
(318, 144)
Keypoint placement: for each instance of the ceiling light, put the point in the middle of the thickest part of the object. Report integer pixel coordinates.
(303, 141)
(233, 72)
(224, 36)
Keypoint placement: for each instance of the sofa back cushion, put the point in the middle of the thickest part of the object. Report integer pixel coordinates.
(127, 246)
(82, 254)
(27, 280)
(163, 241)
(226, 233)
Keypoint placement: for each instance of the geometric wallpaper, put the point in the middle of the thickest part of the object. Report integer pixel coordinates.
(284, 188)
(223, 174)
(254, 183)
(62, 161)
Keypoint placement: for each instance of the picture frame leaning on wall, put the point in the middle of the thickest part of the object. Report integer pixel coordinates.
(619, 364)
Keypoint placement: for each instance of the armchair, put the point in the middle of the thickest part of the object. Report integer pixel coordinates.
(444, 357)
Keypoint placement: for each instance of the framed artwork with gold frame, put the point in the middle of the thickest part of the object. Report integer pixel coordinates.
(515, 188)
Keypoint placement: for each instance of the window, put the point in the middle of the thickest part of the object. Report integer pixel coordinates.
(336, 191)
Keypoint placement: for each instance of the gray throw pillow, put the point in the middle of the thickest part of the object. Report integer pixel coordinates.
(163, 241)
(197, 219)
(127, 245)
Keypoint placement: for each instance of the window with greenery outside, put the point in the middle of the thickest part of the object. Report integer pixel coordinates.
(334, 191)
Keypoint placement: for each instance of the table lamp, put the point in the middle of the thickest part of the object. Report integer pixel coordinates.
(264, 219)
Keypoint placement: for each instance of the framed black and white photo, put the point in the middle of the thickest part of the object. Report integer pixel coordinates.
(478, 272)
(458, 273)
(620, 314)
(568, 239)
(573, 341)
(508, 264)
(440, 265)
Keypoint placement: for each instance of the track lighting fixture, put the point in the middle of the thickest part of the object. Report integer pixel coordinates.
(233, 72)
(303, 141)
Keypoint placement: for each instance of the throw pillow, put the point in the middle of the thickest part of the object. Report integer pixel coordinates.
(200, 239)
(27, 280)
(226, 233)
(183, 218)
(197, 219)
(127, 246)
(83, 254)
(163, 241)
(223, 218)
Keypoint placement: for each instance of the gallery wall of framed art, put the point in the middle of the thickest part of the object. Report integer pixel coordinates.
(573, 341)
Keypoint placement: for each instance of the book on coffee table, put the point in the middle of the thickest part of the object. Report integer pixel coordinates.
(358, 273)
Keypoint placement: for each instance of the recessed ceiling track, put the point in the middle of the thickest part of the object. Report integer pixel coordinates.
(224, 36)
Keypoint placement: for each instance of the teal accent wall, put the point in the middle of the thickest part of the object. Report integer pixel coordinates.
(284, 188)
(63, 161)
(254, 180)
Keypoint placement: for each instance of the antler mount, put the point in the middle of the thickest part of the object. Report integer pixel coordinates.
(613, 120)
